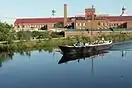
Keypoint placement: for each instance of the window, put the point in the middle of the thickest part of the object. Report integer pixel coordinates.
(30, 26)
(80, 24)
(18, 26)
(76, 24)
(99, 23)
(37, 26)
(23, 26)
(84, 24)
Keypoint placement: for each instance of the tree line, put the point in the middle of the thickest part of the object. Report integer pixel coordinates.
(7, 33)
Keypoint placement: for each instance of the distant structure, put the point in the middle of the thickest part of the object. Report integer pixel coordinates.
(53, 12)
(65, 15)
(123, 11)
(98, 22)
(89, 12)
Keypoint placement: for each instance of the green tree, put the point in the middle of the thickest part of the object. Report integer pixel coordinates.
(24, 35)
(44, 27)
(59, 25)
(5, 30)
(35, 34)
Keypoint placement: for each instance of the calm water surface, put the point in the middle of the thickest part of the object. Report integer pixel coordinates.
(50, 70)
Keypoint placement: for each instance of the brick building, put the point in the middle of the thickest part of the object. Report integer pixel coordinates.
(104, 23)
(36, 23)
(90, 20)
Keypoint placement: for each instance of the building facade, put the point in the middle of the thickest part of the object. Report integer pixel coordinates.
(90, 20)
(36, 23)
(104, 23)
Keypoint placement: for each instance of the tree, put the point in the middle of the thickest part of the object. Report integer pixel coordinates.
(24, 35)
(5, 30)
(35, 34)
(45, 27)
(59, 25)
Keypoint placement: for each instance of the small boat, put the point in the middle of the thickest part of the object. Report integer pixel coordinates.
(86, 48)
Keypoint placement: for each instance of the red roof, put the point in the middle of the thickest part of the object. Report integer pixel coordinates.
(55, 20)
(39, 20)
(118, 18)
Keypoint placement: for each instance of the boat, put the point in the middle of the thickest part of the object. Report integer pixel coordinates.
(80, 47)
(66, 57)
(86, 47)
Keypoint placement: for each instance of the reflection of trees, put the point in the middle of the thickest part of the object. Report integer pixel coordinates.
(49, 49)
(25, 53)
(5, 56)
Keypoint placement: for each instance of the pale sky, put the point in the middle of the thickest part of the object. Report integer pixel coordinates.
(11, 9)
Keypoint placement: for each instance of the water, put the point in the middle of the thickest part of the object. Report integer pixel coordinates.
(36, 69)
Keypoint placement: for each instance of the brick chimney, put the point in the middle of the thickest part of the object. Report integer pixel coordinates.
(65, 15)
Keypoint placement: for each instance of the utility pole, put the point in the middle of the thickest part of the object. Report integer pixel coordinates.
(92, 19)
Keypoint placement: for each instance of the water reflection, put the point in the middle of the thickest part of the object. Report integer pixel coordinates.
(66, 57)
(86, 69)
(5, 56)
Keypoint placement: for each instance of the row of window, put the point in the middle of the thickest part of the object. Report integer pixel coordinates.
(80, 24)
(100, 24)
(30, 26)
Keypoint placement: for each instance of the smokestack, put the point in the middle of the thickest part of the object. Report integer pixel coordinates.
(65, 15)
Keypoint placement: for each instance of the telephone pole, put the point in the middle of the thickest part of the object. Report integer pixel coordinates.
(92, 19)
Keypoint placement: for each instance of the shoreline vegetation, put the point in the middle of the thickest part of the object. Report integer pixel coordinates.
(51, 43)
(11, 41)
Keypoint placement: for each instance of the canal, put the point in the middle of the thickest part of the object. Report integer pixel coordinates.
(43, 69)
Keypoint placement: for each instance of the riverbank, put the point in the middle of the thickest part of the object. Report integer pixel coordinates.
(51, 43)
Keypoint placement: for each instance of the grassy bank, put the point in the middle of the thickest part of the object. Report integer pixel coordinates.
(53, 43)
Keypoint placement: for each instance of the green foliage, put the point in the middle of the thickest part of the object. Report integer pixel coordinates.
(41, 44)
(57, 34)
(42, 35)
(59, 25)
(24, 35)
(5, 30)
(44, 27)
(35, 34)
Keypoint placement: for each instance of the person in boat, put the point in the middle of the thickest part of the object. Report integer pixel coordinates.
(103, 40)
(86, 44)
(79, 44)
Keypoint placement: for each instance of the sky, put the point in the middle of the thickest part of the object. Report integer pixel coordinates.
(12, 9)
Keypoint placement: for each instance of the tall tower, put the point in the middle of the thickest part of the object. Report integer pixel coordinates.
(89, 12)
(65, 15)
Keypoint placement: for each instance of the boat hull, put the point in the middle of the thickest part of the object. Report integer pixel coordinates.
(83, 49)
